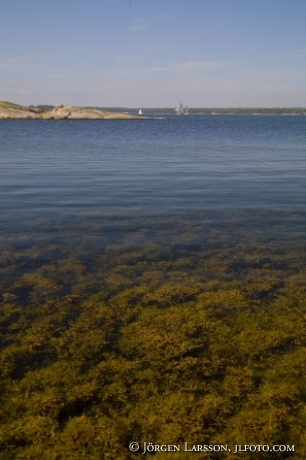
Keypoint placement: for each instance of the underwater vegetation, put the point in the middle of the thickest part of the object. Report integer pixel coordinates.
(189, 333)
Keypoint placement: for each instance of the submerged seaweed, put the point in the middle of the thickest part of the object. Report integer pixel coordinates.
(161, 330)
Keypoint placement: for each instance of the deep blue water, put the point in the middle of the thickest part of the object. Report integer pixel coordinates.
(248, 170)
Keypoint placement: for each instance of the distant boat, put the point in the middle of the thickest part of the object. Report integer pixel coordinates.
(139, 112)
(181, 110)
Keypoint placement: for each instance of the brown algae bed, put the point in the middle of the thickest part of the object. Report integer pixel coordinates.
(168, 334)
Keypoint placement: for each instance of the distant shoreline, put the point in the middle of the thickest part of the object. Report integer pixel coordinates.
(10, 110)
(300, 111)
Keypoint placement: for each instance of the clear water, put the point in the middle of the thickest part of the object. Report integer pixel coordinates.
(114, 178)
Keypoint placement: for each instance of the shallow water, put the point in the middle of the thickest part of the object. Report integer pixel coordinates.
(112, 182)
(152, 284)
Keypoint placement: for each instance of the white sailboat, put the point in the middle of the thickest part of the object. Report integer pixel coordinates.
(139, 112)
(181, 110)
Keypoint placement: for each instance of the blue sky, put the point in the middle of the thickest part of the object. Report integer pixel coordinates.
(154, 53)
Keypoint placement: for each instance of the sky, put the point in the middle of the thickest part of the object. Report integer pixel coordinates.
(154, 53)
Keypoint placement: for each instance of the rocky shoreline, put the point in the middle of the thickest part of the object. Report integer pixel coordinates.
(9, 110)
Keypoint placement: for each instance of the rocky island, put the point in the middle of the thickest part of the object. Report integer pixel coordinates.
(61, 112)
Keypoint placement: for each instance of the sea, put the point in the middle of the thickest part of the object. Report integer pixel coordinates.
(178, 182)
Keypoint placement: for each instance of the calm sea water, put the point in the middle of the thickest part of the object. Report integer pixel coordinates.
(114, 178)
